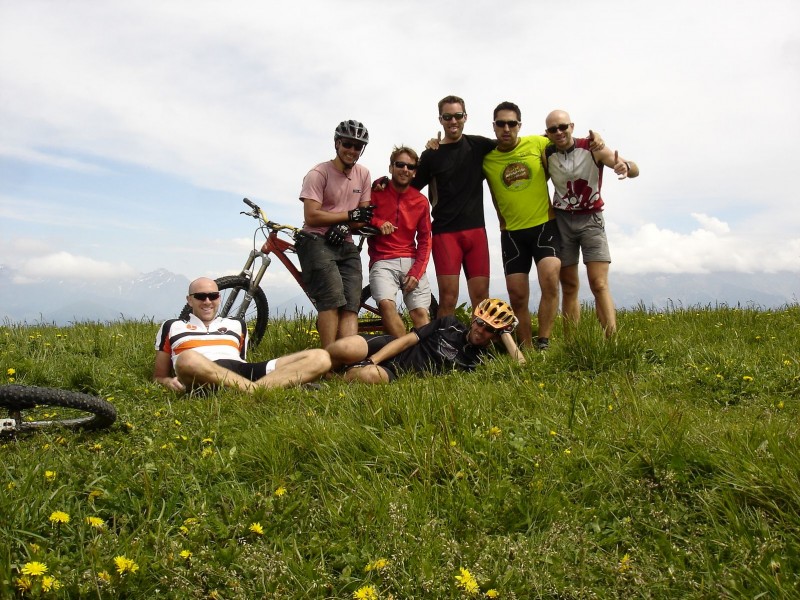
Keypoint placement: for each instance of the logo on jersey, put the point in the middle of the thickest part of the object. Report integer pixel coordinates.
(516, 176)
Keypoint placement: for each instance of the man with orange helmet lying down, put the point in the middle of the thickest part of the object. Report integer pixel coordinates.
(442, 345)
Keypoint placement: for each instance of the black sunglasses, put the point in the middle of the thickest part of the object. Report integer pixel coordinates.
(203, 296)
(501, 124)
(481, 323)
(399, 164)
(352, 145)
(562, 127)
(450, 116)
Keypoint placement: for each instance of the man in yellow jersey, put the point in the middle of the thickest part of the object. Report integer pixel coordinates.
(529, 232)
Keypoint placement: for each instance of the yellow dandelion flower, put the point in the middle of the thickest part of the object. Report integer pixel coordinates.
(453, 443)
(492, 593)
(467, 582)
(50, 475)
(96, 447)
(610, 407)
(206, 452)
(23, 583)
(779, 404)
(567, 451)
(94, 494)
(104, 577)
(552, 432)
(747, 378)
(366, 592)
(495, 431)
(787, 363)
(11, 372)
(377, 565)
(50, 583)
(125, 565)
(35, 548)
(177, 422)
(184, 529)
(34, 569)
(257, 528)
(95, 523)
(187, 554)
(624, 563)
(541, 386)
(207, 441)
(11, 485)
(59, 517)
(281, 491)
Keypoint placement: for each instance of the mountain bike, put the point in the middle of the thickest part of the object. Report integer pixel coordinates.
(242, 297)
(32, 408)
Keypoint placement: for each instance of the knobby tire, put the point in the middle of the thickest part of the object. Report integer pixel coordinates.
(20, 398)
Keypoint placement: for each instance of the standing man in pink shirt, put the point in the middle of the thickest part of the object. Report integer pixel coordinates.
(335, 195)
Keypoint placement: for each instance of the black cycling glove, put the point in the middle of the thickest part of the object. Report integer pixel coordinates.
(337, 234)
(362, 214)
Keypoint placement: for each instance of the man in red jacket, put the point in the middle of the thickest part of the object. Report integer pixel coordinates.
(398, 257)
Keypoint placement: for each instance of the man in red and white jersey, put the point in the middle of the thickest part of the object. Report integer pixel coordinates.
(577, 175)
(207, 349)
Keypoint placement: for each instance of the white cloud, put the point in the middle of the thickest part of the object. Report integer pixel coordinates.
(63, 265)
(243, 98)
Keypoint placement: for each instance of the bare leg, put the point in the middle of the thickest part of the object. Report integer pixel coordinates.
(348, 324)
(392, 323)
(194, 369)
(448, 294)
(548, 271)
(604, 303)
(369, 374)
(478, 288)
(570, 307)
(419, 317)
(519, 295)
(327, 325)
(347, 351)
(297, 368)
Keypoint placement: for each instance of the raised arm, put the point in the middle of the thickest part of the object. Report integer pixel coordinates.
(623, 168)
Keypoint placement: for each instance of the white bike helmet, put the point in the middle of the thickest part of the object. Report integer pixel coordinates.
(352, 130)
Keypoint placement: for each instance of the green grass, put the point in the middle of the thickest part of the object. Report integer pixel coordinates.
(664, 463)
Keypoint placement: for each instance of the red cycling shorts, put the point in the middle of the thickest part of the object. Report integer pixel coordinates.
(468, 248)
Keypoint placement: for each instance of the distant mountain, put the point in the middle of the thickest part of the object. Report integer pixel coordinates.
(156, 295)
(159, 295)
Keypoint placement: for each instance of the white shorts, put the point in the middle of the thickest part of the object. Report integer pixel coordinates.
(386, 279)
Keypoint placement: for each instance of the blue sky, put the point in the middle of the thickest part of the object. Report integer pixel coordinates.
(131, 131)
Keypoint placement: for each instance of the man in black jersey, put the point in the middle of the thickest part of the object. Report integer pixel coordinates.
(443, 345)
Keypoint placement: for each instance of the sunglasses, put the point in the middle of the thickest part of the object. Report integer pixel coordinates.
(481, 323)
(450, 116)
(399, 164)
(562, 127)
(352, 145)
(203, 296)
(502, 124)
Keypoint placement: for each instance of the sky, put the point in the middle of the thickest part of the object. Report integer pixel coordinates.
(130, 131)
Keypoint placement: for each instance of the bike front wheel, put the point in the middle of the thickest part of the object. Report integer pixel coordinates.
(33, 408)
(255, 313)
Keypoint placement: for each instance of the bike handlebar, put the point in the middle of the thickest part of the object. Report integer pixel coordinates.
(364, 231)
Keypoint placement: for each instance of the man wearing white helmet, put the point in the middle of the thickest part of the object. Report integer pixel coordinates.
(335, 196)
(443, 345)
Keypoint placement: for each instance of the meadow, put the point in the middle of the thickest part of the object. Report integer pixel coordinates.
(664, 463)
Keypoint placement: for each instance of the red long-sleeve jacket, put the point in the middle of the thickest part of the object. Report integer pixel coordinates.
(410, 213)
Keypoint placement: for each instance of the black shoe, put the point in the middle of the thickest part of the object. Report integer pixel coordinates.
(542, 343)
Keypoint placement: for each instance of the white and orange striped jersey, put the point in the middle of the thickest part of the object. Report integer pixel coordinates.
(222, 339)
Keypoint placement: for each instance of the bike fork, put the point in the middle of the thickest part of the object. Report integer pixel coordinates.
(247, 273)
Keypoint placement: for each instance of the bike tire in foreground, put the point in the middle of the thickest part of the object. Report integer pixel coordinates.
(50, 407)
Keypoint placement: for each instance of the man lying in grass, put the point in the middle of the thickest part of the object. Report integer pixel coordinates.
(211, 350)
(442, 345)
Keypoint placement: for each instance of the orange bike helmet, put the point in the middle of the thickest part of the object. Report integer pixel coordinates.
(497, 314)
